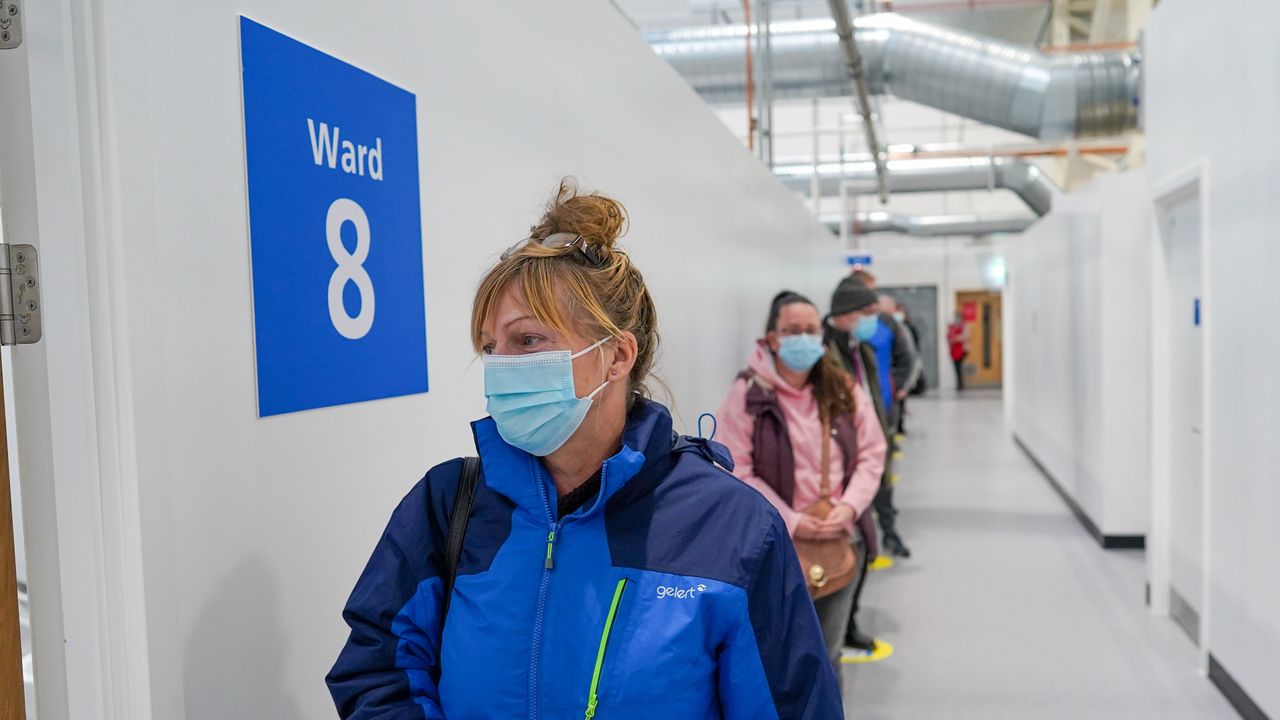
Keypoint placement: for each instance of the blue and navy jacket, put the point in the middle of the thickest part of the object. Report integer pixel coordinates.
(893, 358)
(674, 594)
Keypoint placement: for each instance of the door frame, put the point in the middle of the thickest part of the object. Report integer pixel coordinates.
(72, 392)
(1176, 188)
(997, 337)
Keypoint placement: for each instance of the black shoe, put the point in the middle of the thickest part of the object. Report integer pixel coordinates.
(858, 641)
(895, 546)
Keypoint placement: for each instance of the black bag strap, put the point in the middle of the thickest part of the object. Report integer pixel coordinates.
(458, 524)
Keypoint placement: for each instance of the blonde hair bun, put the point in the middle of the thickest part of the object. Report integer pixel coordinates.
(600, 220)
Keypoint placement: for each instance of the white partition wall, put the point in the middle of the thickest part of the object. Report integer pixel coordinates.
(195, 557)
(1224, 146)
(1079, 281)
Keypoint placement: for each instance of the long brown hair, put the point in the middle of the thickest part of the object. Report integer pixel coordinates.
(832, 386)
(566, 289)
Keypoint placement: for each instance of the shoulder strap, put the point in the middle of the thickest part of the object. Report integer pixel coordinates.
(824, 490)
(458, 524)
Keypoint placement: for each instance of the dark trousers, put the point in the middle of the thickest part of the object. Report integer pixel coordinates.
(864, 559)
(886, 513)
(959, 373)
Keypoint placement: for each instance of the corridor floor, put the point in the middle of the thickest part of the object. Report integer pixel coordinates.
(1008, 608)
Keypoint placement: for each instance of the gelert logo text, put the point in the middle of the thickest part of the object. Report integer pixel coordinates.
(680, 593)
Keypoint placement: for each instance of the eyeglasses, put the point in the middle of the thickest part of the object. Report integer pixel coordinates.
(795, 330)
(559, 241)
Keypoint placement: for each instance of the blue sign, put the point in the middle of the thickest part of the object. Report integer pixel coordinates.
(863, 260)
(335, 228)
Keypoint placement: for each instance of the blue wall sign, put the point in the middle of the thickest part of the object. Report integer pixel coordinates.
(335, 228)
(863, 260)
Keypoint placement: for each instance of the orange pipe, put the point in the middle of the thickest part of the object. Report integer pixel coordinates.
(751, 84)
(1038, 152)
(1089, 47)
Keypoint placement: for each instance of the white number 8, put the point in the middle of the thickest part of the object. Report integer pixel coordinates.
(350, 268)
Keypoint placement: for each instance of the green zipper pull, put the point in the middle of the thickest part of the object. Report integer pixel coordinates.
(551, 546)
(593, 697)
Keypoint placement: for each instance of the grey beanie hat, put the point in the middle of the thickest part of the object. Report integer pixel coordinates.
(851, 295)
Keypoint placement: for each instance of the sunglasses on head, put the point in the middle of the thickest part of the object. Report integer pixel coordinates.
(559, 241)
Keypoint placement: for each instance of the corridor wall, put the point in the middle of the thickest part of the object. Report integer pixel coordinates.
(1230, 130)
(1079, 282)
(219, 547)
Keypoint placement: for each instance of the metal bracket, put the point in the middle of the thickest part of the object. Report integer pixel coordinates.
(10, 24)
(19, 295)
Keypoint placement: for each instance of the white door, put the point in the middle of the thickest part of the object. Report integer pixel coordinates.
(1186, 374)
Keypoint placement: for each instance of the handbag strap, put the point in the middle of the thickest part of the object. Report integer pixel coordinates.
(458, 524)
(824, 490)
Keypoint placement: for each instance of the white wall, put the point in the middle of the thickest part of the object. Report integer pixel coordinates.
(1078, 281)
(229, 543)
(1231, 126)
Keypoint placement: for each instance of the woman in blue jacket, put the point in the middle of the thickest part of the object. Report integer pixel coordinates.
(610, 568)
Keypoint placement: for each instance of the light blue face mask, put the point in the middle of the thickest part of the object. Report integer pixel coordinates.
(866, 327)
(532, 401)
(801, 352)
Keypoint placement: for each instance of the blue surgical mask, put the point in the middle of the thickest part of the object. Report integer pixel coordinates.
(532, 401)
(866, 327)
(900, 316)
(801, 352)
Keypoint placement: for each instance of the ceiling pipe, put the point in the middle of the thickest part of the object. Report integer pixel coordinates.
(1044, 95)
(942, 175)
(869, 223)
(849, 47)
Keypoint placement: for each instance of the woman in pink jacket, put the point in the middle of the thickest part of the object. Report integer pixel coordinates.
(773, 422)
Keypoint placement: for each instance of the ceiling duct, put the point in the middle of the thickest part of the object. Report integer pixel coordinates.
(1047, 96)
(942, 175)
(867, 223)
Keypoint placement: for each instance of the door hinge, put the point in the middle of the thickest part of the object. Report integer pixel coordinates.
(19, 295)
(10, 24)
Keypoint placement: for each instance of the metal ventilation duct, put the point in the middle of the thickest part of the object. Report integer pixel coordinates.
(866, 223)
(991, 81)
(977, 173)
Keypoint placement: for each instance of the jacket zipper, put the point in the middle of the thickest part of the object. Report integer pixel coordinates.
(593, 697)
(544, 585)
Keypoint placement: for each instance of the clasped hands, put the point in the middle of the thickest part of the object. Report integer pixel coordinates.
(834, 527)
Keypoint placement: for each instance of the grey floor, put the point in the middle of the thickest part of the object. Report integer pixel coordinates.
(1008, 609)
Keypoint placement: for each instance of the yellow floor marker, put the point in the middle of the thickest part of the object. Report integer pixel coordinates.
(883, 651)
(898, 455)
(882, 562)
(899, 438)
(894, 479)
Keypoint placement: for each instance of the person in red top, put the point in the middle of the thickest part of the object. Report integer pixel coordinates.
(958, 338)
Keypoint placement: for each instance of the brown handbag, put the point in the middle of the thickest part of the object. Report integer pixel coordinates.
(828, 565)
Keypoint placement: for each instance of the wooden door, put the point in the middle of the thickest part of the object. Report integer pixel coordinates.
(12, 701)
(981, 310)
